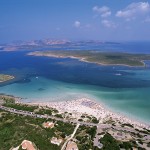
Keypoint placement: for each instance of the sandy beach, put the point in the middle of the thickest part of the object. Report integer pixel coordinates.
(90, 107)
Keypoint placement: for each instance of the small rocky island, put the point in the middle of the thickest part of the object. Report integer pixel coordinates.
(4, 78)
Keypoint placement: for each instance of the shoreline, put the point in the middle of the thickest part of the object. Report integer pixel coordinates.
(122, 113)
(88, 106)
(91, 107)
(82, 59)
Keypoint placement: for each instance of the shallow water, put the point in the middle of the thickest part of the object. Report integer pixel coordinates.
(123, 89)
(129, 101)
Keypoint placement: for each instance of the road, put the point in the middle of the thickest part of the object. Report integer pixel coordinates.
(31, 114)
(72, 135)
(99, 126)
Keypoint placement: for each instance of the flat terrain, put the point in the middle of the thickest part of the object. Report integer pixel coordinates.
(4, 77)
(103, 58)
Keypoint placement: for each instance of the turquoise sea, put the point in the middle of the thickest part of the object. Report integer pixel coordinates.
(123, 89)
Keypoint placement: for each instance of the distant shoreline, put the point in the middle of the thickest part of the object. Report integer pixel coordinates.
(83, 59)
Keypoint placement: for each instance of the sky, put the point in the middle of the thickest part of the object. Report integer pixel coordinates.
(104, 20)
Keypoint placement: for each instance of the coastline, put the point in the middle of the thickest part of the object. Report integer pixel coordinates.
(104, 108)
(91, 107)
(82, 59)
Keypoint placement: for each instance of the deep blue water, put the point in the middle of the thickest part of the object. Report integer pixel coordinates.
(71, 70)
(123, 88)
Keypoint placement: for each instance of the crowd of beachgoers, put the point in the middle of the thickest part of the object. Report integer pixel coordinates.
(90, 107)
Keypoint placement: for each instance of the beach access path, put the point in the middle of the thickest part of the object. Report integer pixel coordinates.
(72, 135)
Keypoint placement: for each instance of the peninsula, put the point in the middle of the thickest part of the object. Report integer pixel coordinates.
(93, 56)
(4, 78)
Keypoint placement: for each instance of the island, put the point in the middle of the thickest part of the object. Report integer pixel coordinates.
(93, 56)
(4, 78)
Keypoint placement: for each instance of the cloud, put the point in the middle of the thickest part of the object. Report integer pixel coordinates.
(108, 24)
(77, 24)
(134, 10)
(103, 11)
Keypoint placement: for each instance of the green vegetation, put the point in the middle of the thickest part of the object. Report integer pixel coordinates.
(85, 137)
(128, 125)
(7, 99)
(109, 121)
(44, 111)
(80, 119)
(140, 141)
(98, 57)
(16, 128)
(109, 142)
(126, 145)
(138, 135)
(88, 118)
(58, 116)
(146, 130)
(91, 131)
(64, 128)
(10, 102)
(4, 77)
(19, 106)
(143, 131)
(82, 116)
(48, 111)
(94, 120)
(140, 148)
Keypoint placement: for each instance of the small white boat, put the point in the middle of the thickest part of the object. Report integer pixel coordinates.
(118, 74)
